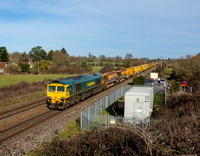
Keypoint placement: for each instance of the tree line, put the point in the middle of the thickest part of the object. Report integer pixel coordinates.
(188, 69)
(37, 60)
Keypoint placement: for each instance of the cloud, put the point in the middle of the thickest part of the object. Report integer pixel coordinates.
(102, 26)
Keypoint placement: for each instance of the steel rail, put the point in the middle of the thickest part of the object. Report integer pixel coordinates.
(20, 109)
(19, 128)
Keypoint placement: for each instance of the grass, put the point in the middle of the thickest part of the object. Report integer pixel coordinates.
(7, 80)
(96, 69)
(168, 72)
(158, 100)
(101, 119)
(109, 110)
(70, 130)
(104, 63)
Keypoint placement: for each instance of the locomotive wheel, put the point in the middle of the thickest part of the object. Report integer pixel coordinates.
(77, 99)
(67, 104)
(83, 96)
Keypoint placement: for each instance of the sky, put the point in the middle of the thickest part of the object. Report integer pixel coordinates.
(144, 28)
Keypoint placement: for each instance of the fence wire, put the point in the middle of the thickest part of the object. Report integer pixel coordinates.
(90, 115)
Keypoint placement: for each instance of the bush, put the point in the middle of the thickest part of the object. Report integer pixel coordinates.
(25, 67)
(175, 86)
(178, 126)
(107, 68)
(139, 80)
(120, 140)
(13, 69)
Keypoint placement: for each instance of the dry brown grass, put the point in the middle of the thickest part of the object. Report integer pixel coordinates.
(179, 125)
(21, 90)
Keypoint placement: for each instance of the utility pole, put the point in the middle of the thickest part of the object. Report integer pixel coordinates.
(114, 62)
(161, 62)
(165, 93)
(99, 65)
(38, 67)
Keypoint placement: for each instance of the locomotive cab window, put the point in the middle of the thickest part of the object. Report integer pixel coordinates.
(60, 88)
(98, 82)
(68, 89)
(52, 88)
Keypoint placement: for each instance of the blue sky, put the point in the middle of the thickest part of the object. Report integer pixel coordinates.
(144, 28)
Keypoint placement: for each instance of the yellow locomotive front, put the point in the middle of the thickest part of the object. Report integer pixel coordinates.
(57, 94)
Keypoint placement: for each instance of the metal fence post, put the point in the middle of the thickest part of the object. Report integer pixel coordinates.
(82, 120)
(89, 117)
(95, 110)
(106, 101)
(107, 118)
(165, 94)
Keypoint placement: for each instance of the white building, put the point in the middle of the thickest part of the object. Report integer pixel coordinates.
(3, 65)
(138, 103)
(154, 75)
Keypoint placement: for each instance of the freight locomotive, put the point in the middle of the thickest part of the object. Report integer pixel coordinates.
(62, 93)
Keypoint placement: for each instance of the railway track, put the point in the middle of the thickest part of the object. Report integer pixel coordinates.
(21, 109)
(16, 129)
(12, 131)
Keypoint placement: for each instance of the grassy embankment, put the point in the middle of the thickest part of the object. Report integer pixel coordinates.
(7, 80)
(96, 69)
(21, 88)
(168, 72)
(104, 63)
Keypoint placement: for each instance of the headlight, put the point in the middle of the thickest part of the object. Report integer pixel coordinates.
(49, 98)
(62, 99)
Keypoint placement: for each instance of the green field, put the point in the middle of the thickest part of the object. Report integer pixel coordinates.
(104, 63)
(6, 80)
(96, 69)
(168, 72)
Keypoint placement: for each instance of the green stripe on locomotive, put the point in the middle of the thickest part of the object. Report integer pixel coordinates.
(81, 83)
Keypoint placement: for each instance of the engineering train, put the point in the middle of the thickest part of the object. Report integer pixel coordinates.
(62, 93)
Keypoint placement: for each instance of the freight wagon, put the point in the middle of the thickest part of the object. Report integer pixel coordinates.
(109, 79)
(121, 75)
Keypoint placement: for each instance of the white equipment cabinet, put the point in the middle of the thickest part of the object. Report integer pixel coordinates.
(154, 75)
(138, 103)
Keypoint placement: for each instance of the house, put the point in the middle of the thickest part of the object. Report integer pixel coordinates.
(28, 61)
(3, 65)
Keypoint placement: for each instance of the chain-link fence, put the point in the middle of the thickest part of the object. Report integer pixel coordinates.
(89, 116)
